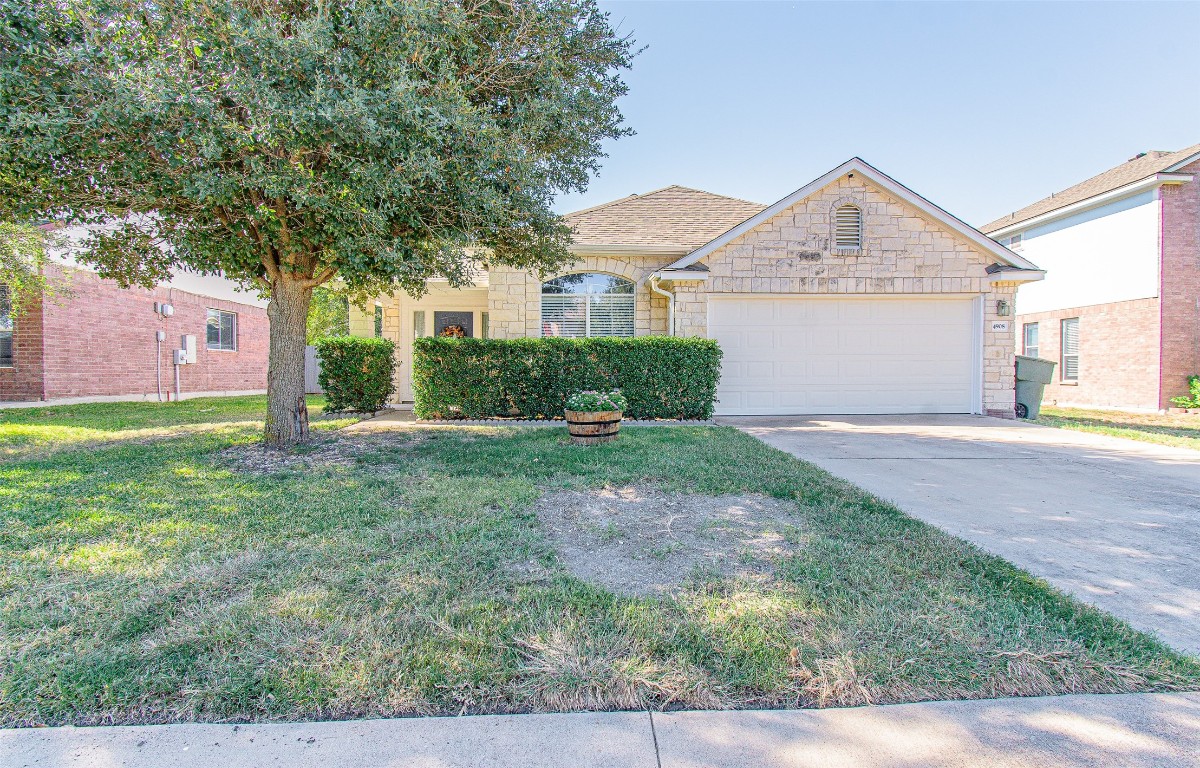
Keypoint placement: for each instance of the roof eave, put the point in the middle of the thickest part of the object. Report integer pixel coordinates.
(1018, 276)
(1095, 201)
(858, 165)
(626, 249)
(682, 274)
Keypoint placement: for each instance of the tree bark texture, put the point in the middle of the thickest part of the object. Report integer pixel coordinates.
(287, 413)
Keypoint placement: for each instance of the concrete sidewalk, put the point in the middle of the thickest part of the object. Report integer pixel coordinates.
(1050, 732)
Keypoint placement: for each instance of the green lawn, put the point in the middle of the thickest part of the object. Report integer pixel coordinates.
(1181, 430)
(197, 577)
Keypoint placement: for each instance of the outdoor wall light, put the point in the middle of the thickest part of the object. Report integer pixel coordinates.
(1003, 309)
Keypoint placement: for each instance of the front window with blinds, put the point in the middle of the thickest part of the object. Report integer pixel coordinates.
(587, 304)
(6, 328)
(221, 330)
(1030, 347)
(847, 228)
(1070, 349)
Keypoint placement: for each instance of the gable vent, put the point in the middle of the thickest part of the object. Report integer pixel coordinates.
(847, 222)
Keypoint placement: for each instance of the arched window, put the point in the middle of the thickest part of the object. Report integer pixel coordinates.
(847, 228)
(587, 304)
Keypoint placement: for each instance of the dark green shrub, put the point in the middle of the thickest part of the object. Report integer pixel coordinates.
(356, 372)
(662, 377)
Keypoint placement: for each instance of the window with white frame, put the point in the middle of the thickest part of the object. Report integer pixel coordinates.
(847, 228)
(6, 328)
(1070, 349)
(1014, 242)
(1029, 347)
(221, 330)
(587, 304)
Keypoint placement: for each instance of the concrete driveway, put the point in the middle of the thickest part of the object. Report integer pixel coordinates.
(1114, 522)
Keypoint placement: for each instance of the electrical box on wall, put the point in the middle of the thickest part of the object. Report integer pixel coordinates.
(181, 357)
(189, 347)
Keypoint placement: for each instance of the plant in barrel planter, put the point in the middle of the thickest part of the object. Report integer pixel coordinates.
(595, 417)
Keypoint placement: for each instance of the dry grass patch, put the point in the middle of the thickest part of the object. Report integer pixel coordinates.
(640, 540)
(325, 450)
(1178, 430)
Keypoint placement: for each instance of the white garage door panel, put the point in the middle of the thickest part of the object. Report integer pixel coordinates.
(903, 355)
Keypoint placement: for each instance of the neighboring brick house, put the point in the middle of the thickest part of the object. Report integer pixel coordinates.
(1122, 254)
(96, 341)
(851, 295)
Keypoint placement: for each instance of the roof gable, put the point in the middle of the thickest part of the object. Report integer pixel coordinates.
(884, 182)
(1141, 167)
(672, 217)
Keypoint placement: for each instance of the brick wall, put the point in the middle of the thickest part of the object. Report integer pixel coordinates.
(1180, 290)
(23, 381)
(1118, 354)
(99, 341)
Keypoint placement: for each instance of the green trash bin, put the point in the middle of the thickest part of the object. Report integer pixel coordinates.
(1033, 374)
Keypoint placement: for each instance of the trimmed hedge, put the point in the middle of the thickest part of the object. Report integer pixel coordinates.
(356, 372)
(663, 377)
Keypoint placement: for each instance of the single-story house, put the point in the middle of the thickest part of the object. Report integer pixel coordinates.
(852, 295)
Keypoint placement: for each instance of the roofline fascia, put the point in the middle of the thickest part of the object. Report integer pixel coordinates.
(890, 185)
(681, 274)
(1095, 201)
(1185, 161)
(1018, 276)
(617, 249)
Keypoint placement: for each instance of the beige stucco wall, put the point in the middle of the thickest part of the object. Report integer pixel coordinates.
(398, 313)
(904, 252)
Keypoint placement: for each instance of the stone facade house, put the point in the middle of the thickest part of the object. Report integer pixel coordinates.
(851, 295)
(1120, 308)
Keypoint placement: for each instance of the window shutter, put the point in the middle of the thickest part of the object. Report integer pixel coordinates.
(419, 324)
(847, 228)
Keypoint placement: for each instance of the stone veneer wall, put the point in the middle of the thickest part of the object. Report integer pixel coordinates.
(903, 253)
(515, 296)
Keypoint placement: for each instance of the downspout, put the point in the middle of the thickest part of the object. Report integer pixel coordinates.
(670, 303)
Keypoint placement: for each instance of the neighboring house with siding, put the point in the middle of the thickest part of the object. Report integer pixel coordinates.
(853, 294)
(1119, 310)
(94, 340)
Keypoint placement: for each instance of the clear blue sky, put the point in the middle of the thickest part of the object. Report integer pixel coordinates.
(981, 107)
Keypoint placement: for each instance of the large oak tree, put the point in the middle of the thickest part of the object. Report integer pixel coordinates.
(287, 144)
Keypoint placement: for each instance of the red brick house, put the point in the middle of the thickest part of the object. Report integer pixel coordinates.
(97, 341)
(1119, 310)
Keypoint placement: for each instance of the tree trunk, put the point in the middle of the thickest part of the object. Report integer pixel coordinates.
(287, 414)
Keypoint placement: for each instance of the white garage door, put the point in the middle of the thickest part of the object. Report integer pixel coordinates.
(859, 355)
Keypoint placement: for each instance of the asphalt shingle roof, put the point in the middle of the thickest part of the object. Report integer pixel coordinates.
(673, 216)
(1144, 165)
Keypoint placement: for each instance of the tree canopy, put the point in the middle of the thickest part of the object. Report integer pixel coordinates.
(284, 143)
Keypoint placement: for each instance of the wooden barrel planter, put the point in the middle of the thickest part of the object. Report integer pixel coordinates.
(592, 427)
